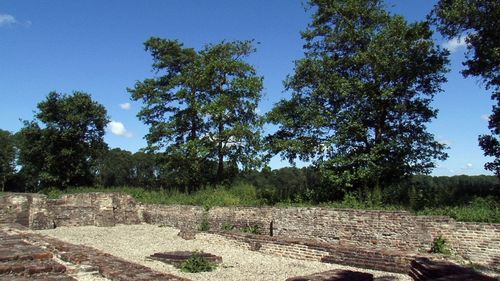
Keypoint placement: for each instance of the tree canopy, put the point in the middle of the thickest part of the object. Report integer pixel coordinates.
(7, 156)
(59, 148)
(201, 108)
(361, 96)
(477, 21)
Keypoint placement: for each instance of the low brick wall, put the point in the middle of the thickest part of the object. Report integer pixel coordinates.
(477, 242)
(392, 229)
(172, 215)
(378, 259)
(401, 231)
(29, 256)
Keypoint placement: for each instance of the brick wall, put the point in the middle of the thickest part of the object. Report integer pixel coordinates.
(477, 242)
(400, 230)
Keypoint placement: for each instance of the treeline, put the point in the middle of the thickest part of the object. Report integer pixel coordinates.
(305, 185)
(118, 168)
(360, 102)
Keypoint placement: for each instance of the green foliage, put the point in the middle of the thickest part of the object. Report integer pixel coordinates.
(476, 22)
(119, 167)
(201, 108)
(419, 192)
(477, 210)
(440, 246)
(7, 157)
(64, 150)
(53, 193)
(252, 229)
(464, 198)
(227, 226)
(197, 263)
(115, 168)
(361, 97)
(205, 224)
(364, 201)
(289, 184)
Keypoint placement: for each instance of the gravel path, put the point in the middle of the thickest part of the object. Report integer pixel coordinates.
(136, 242)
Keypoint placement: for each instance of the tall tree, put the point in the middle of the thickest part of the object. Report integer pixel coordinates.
(201, 108)
(233, 94)
(478, 22)
(116, 168)
(361, 96)
(7, 157)
(146, 170)
(63, 151)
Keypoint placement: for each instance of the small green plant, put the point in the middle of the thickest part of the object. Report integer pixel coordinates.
(197, 263)
(253, 229)
(439, 246)
(227, 226)
(53, 193)
(204, 225)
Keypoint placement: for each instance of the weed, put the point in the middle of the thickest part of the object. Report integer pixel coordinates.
(439, 246)
(204, 224)
(197, 263)
(253, 229)
(227, 226)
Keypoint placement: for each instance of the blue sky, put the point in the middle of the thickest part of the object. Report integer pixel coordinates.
(96, 46)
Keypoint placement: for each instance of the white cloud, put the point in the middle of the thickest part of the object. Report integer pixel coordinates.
(117, 128)
(125, 106)
(453, 44)
(485, 117)
(6, 19)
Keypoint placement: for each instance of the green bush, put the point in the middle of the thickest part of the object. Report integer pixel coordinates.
(439, 246)
(53, 193)
(197, 263)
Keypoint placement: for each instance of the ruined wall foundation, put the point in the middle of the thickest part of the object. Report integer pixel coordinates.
(342, 228)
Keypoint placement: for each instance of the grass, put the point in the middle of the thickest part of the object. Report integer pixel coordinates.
(478, 210)
(238, 195)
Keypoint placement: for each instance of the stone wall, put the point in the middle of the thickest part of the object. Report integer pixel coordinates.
(38, 212)
(477, 242)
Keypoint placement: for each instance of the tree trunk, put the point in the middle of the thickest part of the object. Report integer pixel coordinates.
(220, 153)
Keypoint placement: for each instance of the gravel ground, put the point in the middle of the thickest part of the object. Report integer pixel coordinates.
(136, 242)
